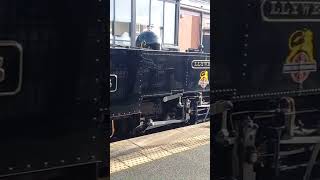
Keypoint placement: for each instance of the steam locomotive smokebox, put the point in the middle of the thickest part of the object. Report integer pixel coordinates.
(51, 84)
(266, 48)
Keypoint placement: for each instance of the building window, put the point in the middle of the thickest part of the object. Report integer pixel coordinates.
(206, 32)
(142, 15)
(111, 20)
(189, 29)
(122, 22)
(156, 17)
(150, 15)
(159, 16)
(169, 23)
(206, 22)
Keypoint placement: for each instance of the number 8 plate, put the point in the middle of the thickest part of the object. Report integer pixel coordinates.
(10, 67)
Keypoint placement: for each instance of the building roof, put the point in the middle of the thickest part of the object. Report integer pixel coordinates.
(196, 4)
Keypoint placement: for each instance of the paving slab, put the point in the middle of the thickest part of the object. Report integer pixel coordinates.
(145, 149)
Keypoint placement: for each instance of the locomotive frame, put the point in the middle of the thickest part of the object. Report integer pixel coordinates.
(157, 88)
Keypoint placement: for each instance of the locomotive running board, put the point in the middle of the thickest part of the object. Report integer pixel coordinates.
(156, 124)
(172, 97)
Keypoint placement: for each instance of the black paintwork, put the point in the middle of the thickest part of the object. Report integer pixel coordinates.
(55, 118)
(144, 73)
(248, 60)
(206, 43)
(249, 53)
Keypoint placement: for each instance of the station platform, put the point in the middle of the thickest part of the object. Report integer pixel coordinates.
(182, 153)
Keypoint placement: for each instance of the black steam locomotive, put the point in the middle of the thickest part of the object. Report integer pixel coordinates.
(53, 89)
(151, 87)
(265, 90)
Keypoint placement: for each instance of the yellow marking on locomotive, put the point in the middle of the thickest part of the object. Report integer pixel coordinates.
(300, 62)
(301, 41)
(204, 79)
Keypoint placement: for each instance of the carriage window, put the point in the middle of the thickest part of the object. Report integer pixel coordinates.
(169, 23)
(142, 16)
(122, 22)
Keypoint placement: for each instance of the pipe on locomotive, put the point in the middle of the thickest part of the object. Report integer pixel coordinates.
(113, 130)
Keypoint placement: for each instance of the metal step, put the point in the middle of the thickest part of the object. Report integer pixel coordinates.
(204, 109)
(205, 114)
(285, 167)
(202, 114)
(303, 165)
(292, 152)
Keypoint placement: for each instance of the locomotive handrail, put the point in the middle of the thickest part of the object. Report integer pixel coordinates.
(288, 113)
(112, 129)
(168, 94)
(273, 111)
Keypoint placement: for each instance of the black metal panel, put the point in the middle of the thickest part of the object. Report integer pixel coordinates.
(142, 73)
(125, 66)
(173, 71)
(53, 121)
(206, 43)
(10, 68)
(164, 73)
(227, 43)
(257, 44)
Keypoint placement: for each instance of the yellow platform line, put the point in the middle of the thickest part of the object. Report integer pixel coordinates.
(145, 155)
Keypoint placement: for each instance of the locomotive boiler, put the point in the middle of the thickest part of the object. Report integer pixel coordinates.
(151, 87)
(265, 90)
